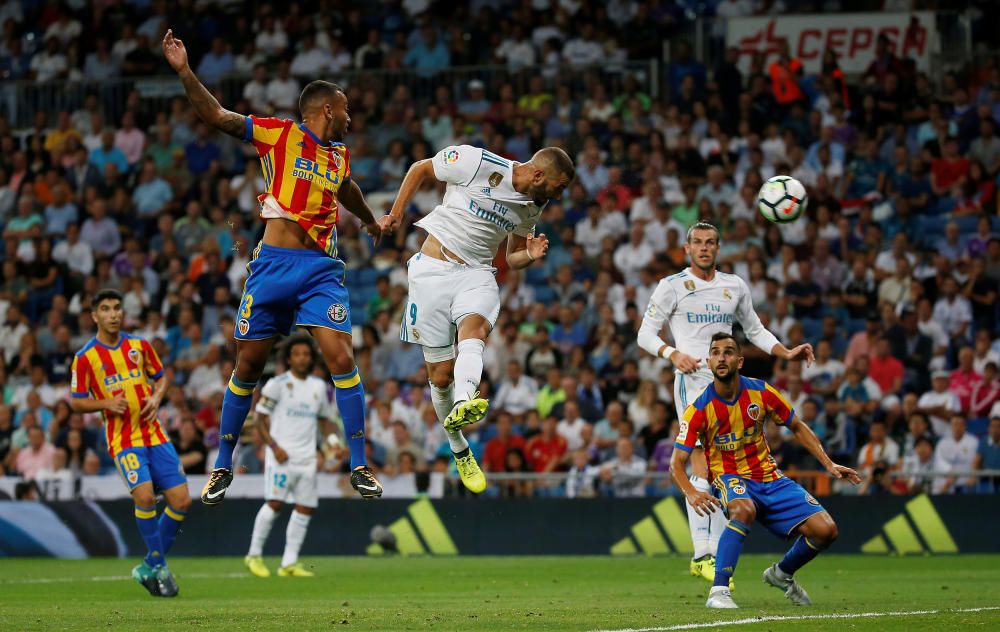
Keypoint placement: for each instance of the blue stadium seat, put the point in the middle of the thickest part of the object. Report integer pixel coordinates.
(544, 294)
(535, 276)
(353, 277)
(369, 276)
(812, 329)
(855, 325)
(978, 426)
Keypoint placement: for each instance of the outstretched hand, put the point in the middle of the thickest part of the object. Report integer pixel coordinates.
(174, 51)
(846, 473)
(536, 247)
(802, 352)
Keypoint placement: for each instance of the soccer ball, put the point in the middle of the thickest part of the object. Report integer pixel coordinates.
(782, 199)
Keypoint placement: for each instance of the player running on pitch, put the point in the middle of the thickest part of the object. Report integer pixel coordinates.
(452, 288)
(295, 277)
(697, 303)
(728, 418)
(288, 413)
(121, 376)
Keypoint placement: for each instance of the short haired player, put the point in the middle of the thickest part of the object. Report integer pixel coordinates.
(295, 276)
(696, 303)
(452, 289)
(121, 376)
(728, 418)
(290, 409)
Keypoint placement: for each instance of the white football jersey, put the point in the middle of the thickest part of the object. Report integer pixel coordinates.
(294, 407)
(480, 206)
(696, 310)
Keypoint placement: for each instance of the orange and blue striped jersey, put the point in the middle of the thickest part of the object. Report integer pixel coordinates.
(302, 176)
(127, 370)
(732, 432)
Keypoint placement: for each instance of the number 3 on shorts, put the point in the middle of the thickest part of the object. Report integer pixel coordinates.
(247, 304)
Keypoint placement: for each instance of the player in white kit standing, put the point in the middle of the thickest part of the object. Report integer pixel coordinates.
(697, 303)
(288, 413)
(452, 285)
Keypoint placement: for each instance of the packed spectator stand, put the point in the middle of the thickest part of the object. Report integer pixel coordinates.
(107, 179)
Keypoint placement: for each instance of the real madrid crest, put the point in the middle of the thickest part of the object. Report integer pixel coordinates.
(495, 179)
(689, 286)
(727, 294)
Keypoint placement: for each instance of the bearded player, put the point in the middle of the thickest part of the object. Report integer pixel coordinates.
(697, 303)
(728, 418)
(295, 276)
(452, 289)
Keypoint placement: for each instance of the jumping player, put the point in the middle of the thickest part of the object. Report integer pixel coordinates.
(295, 277)
(452, 289)
(121, 376)
(728, 418)
(697, 303)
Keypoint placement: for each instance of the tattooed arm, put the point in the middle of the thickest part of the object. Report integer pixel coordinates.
(205, 104)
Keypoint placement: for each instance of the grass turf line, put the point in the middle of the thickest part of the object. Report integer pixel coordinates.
(494, 593)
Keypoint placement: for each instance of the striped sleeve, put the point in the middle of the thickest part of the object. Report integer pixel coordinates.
(690, 427)
(778, 407)
(154, 367)
(264, 132)
(80, 377)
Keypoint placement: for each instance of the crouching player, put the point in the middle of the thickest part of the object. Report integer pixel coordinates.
(729, 419)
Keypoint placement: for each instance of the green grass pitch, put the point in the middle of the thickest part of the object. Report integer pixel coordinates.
(491, 593)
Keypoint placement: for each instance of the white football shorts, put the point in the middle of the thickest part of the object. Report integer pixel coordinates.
(441, 293)
(289, 483)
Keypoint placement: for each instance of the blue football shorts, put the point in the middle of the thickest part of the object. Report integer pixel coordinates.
(782, 505)
(292, 286)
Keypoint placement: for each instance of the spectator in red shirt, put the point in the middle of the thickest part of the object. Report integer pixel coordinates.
(964, 379)
(950, 170)
(546, 450)
(884, 369)
(986, 393)
(617, 191)
(495, 457)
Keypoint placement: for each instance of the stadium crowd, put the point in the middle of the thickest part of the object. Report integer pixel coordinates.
(892, 273)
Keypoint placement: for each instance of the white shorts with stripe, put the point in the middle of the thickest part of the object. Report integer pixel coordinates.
(687, 388)
(290, 483)
(441, 293)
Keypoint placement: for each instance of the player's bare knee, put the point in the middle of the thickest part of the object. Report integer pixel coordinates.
(183, 503)
(144, 498)
(827, 533)
(742, 512)
(305, 511)
(249, 367)
(440, 374)
(275, 505)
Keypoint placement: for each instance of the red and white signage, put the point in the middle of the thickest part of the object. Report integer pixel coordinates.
(851, 35)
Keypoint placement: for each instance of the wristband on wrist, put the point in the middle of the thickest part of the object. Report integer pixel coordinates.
(667, 351)
(530, 258)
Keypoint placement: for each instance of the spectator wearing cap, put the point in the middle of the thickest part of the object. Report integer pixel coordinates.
(476, 106)
(939, 403)
(955, 452)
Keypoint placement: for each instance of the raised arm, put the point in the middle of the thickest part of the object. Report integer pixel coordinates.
(763, 339)
(418, 173)
(204, 103)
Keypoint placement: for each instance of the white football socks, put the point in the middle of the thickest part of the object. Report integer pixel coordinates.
(700, 525)
(469, 368)
(717, 522)
(261, 529)
(295, 535)
(443, 400)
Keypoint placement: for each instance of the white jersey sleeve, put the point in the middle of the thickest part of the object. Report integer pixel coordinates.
(457, 164)
(661, 304)
(527, 226)
(270, 395)
(747, 316)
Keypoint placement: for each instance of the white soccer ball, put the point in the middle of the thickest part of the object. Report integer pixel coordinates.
(782, 199)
